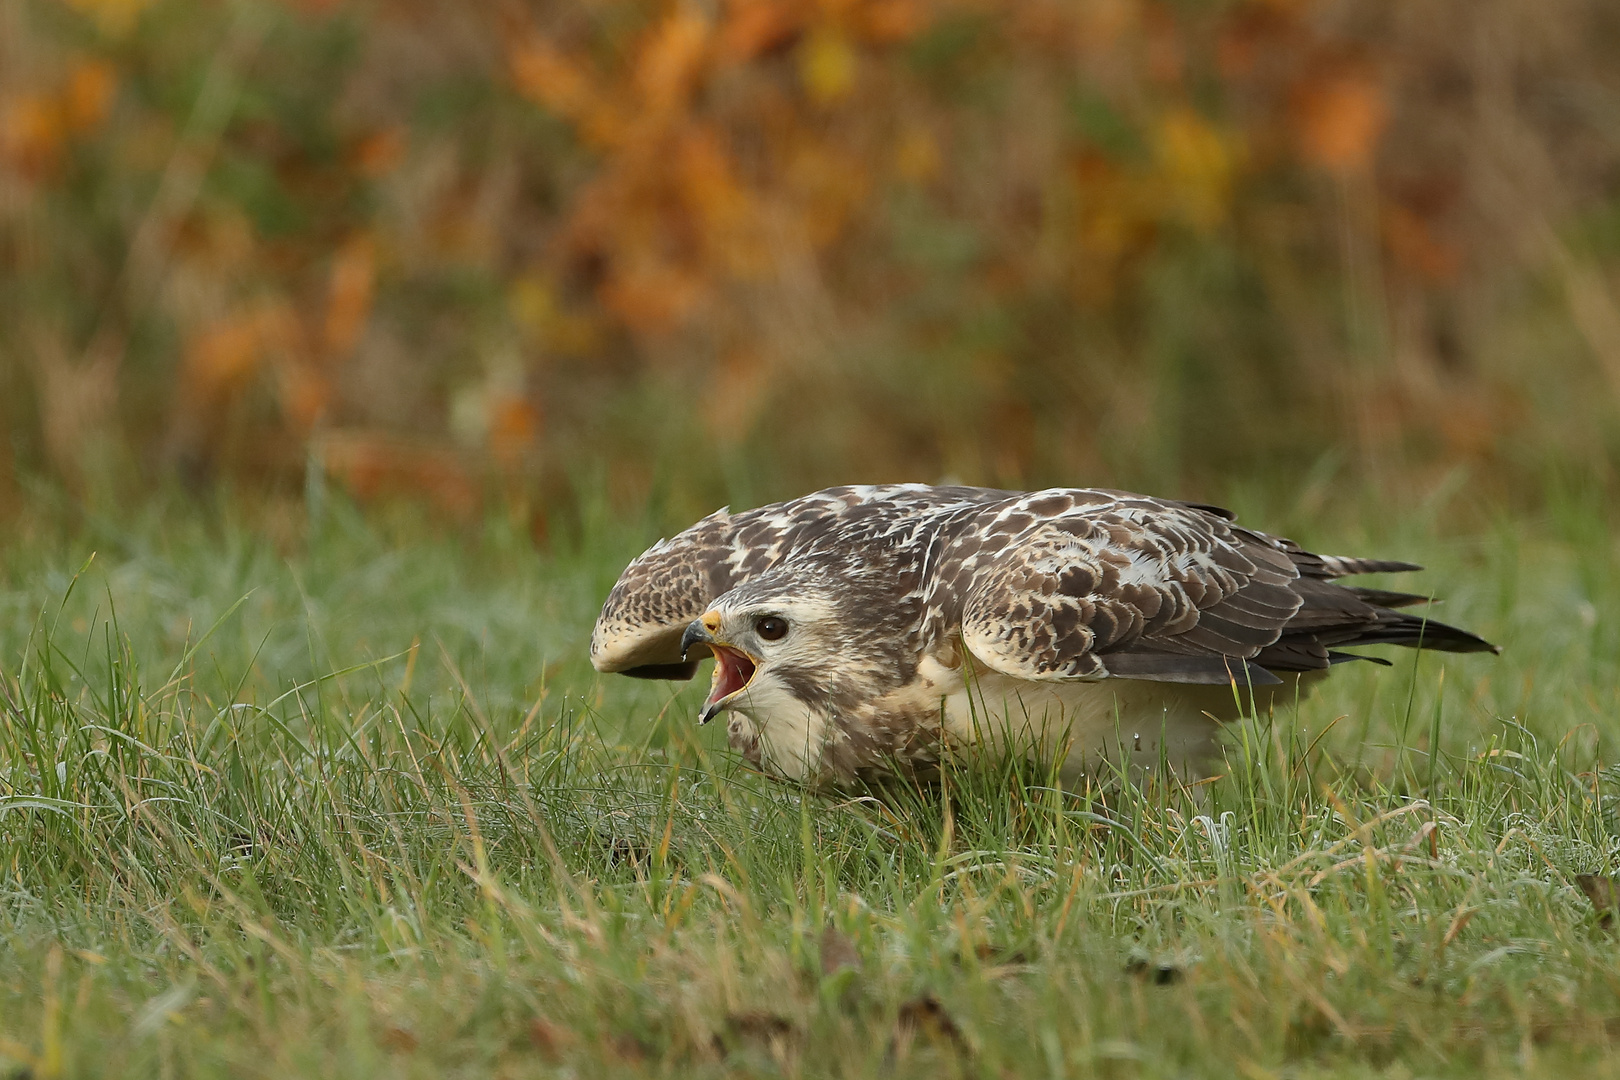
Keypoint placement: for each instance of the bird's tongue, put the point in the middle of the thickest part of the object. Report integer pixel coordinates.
(732, 670)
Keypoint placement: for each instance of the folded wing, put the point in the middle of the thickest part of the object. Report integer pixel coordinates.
(1141, 588)
(677, 580)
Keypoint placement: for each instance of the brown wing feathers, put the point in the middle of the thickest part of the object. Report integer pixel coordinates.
(669, 585)
(1068, 598)
(677, 580)
(1079, 583)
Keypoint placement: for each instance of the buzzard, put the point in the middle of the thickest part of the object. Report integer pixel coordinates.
(860, 632)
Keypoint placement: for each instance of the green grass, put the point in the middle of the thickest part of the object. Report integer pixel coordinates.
(279, 799)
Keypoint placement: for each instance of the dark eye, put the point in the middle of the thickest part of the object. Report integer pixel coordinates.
(771, 628)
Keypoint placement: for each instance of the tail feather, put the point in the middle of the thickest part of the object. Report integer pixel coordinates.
(1337, 566)
(1396, 628)
(1336, 617)
(1387, 599)
(1337, 657)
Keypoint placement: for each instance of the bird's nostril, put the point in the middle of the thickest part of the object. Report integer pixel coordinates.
(711, 622)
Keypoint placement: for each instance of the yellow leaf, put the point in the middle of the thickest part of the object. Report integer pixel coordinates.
(827, 65)
(1196, 163)
(114, 17)
(531, 302)
(916, 158)
(88, 96)
(671, 58)
(222, 355)
(534, 308)
(31, 133)
(544, 75)
(653, 295)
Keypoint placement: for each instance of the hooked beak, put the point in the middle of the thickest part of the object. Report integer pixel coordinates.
(696, 634)
(733, 668)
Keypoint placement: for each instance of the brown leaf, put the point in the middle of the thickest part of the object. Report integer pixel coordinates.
(378, 153)
(890, 21)
(925, 1016)
(514, 423)
(353, 284)
(399, 1039)
(373, 463)
(31, 133)
(629, 1049)
(775, 1033)
(547, 1038)
(837, 952)
(1414, 245)
(1339, 118)
(1604, 894)
(88, 95)
(545, 75)
(222, 353)
(991, 954)
(671, 59)
(760, 29)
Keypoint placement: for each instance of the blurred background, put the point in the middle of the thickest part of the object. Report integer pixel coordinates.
(509, 252)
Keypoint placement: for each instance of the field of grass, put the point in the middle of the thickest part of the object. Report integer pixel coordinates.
(341, 797)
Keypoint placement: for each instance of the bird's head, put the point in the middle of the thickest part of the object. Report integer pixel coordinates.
(794, 639)
(766, 644)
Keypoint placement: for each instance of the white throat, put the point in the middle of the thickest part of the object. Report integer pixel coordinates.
(791, 734)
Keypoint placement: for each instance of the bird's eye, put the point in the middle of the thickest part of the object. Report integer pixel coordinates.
(771, 628)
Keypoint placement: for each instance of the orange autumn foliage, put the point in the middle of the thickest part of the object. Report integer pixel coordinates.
(349, 296)
(1339, 118)
(833, 239)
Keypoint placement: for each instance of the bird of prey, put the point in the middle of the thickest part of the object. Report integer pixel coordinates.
(863, 632)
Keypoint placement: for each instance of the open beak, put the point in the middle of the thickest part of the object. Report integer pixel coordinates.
(733, 668)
